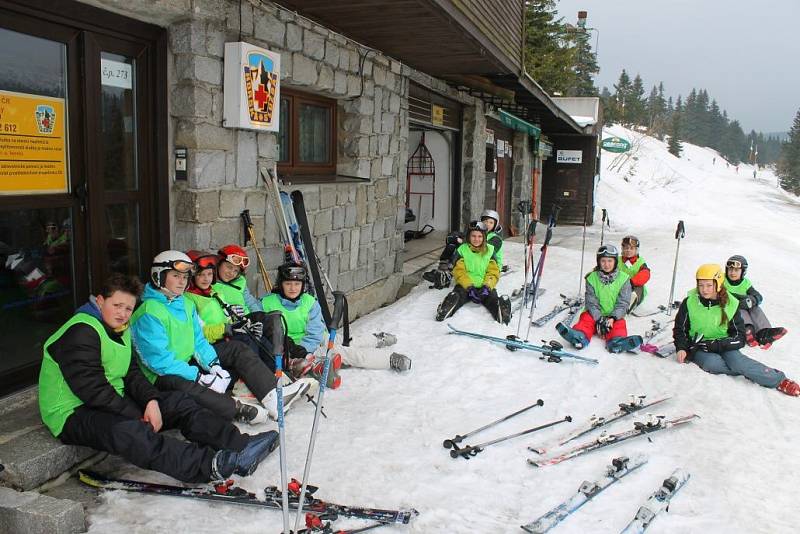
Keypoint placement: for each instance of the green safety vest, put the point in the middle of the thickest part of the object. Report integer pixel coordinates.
(56, 400)
(475, 263)
(232, 292)
(740, 290)
(208, 308)
(632, 271)
(498, 254)
(705, 319)
(607, 293)
(179, 333)
(296, 319)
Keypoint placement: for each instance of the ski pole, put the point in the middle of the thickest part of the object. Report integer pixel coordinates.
(538, 274)
(583, 250)
(250, 234)
(531, 237)
(603, 223)
(451, 443)
(473, 450)
(338, 309)
(277, 334)
(680, 233)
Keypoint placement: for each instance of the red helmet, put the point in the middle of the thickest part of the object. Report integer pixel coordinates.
(235, 255)
(203, 260)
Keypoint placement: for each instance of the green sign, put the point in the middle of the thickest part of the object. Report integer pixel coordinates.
(615, 144)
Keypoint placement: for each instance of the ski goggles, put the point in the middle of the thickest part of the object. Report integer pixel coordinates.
(733, 264)
(205, 262)
(630, 241)
(177, 265)
(478, 225)
(237, 260)
(295, 273)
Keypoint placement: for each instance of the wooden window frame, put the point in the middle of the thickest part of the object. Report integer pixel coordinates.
(293, 167)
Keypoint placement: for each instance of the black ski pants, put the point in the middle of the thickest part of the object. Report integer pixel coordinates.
(241, 362)
(135, 441)
(491, 301)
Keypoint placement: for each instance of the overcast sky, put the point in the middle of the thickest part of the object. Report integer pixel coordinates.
(744, 52)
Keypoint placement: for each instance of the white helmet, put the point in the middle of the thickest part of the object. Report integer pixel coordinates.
(491, 214)
(166, 261)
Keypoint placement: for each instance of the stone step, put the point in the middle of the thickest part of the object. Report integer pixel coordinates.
(29, 454)
(33, 513)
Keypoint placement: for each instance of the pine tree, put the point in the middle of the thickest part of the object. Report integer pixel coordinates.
(550, 56)
(636, 105)
(622, 93)
(674, 145)
(585, 66)
(789, 162)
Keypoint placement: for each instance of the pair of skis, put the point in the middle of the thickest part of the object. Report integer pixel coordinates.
(613, 473)
(472, 450)
(566, 304)
(551, 352)
(227, 492)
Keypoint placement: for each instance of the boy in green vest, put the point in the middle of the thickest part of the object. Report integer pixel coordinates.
(494, 235)
(607, 297)
(632, 264)
(177, 357)
(305, 329)
(92, 393)
(758, 330)
(476, 274)
(709, 331)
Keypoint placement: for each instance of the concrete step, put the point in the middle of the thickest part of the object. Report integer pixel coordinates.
(33, 513)
(29, 453)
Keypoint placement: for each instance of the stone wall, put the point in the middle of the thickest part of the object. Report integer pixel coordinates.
(521, 187)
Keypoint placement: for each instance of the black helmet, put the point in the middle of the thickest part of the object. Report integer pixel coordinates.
(476, 225)
(737, 261)
(291, 271)
(608, 251)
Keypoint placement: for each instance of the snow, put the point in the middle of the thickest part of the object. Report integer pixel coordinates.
(583, 120)
(381, 444)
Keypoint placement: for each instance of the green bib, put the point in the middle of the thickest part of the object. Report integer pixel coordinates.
(705, 319)
(607, 293)
(296, 319)
(739, 290)
(475, 263)
(179, 333)
(498, 254)
(56, 400)
(632, 271)
(208, 309)
(232, 292)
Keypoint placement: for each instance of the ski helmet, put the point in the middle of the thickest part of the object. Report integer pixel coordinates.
(234, 254)
(711, 271)
(736, 261)
(169, 260)
(608, 251)
(491, 214)
(202, 260)
(290, 271)
(476, 225)
(630, 240)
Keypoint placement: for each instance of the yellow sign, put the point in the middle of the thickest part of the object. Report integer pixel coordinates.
(437, 115)
(33, 157)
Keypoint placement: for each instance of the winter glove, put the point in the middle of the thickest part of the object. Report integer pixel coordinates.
(216, 379)
(603, 326)
(748, 302)
(707, 345)
(473, 295)
(256, 328)
(484, 292)
(236, 310)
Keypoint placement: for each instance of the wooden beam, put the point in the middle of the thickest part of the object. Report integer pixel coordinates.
(482, 84)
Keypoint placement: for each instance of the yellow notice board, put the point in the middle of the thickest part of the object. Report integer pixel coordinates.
(33, 156)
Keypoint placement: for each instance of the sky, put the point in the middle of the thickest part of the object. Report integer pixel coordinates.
(745, 53)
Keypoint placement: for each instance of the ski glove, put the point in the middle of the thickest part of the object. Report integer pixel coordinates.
(216, 379)
(237, 310)
(603, 326)
(473, 295)
(708, 345)
(245, 327)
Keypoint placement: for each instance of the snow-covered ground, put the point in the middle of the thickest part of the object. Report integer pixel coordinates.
(381, 444)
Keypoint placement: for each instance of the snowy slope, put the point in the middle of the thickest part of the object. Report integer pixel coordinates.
(381, 444)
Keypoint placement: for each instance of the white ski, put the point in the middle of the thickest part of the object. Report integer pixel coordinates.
(657, 503)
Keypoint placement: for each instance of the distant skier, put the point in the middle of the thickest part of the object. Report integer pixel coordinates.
(758, 330)
(632, 264)
(476, 273)
(709, 331)
(607, 298)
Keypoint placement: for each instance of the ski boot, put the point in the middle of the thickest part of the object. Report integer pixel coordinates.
(504, 310)
(789, 387)
(448, 306)
(385, 339)
(399, 362)
(767, 336)
(623, 344)
(575, 337)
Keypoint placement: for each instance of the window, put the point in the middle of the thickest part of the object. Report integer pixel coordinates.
(307, 135)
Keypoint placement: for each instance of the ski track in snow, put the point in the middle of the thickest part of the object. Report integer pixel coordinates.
(381, 445)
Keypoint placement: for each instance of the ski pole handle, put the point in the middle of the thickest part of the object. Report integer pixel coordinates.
(275, 319)
(680, 231)
(338, 309)
(605, 215)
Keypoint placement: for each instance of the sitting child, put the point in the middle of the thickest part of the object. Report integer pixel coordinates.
(758, 330)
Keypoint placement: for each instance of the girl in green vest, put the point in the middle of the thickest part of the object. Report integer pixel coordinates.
(709, 331)
(632, 264)
(607, 297)
(231, 283)
(476, 274)
(92, 393)
(758, 330)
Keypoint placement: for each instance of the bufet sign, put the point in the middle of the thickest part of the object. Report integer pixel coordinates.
(252, 88)
(569, 156)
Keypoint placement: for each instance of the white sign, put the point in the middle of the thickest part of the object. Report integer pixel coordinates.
(116, 73)
(252, 88)
(569, 156)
